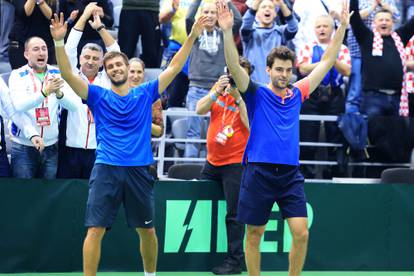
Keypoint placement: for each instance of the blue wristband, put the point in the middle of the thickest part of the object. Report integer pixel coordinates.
(213, 97)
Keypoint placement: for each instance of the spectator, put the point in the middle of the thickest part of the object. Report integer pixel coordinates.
(327, 99)
(7, 111)
(258, 39)
(226, 139)
(308, 10)
(206, 63)
(77, 127)
(143, 15)
(89, 35)
(135, 78)
(37, 90)
(31, 18)
(174, 12)
(383, 54)
(368, 8)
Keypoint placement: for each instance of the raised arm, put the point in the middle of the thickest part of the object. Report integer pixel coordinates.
(46, 9)
(237, 17)
(205, 103)
(109, 41)
(168, 11)
(75, 35)
(225, 19)
(192, 10)
(58, 30)
(179, 59)
(329, 57)
(359, 29)
(235, 93)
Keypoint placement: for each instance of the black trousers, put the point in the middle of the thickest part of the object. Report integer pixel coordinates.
(136, 23)
(229, 176)
(322, 103)
(75, 162)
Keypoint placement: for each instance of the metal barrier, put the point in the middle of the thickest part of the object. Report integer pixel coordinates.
(163, 140)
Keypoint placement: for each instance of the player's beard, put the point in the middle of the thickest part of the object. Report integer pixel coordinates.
(120, 82)
(277, 84)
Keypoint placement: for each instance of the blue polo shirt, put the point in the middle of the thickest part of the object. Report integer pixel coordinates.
(274, 123)
(123, 124)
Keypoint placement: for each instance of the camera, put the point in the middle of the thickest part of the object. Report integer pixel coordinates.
(231, 80)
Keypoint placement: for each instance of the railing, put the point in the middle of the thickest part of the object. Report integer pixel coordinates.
(163, 140)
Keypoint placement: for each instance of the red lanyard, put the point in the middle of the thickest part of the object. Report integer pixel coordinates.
(41, 86)
(223, 117)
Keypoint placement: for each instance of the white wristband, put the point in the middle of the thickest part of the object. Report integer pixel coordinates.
(59, 43)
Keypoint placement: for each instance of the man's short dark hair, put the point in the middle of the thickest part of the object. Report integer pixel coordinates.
(384, 10)
(282, 53)
(245, 63)
(26, 43)
(114, 54)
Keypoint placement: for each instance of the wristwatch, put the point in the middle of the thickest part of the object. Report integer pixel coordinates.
(238, 101)
(100, 28)
(40, 2)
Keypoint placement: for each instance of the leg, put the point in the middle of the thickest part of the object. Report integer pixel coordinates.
(194, 94)
(299, 230)
(68, 164)
(104, 199)
(24, 161)
(177, 91)
(128, 40)
(92, 250)
(148, 248)
(231, 179)
(252, 250)
(16, 54)
(150, 39)
(7, 16)
(48, 159)
(4, 164)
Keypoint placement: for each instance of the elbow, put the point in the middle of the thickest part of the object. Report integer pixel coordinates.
(347, 72)
(19, 108)
(303, 71)
(156, 130)
(162, 19)
(200, 111)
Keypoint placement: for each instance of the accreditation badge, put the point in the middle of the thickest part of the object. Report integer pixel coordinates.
(228, 131)
(42, 116)
(223, 135)
(221, 138)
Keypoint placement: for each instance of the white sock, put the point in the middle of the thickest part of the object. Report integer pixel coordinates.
(149, 273)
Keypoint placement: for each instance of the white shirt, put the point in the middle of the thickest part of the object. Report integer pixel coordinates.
(80, 129)
(25, 93)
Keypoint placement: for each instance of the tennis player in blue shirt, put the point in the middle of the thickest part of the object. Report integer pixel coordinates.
(271, 156)
(123, 133)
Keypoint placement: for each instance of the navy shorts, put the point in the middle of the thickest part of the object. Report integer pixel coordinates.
(109, 186)
(262, 185)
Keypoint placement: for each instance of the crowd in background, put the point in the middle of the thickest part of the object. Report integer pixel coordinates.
(154, 31)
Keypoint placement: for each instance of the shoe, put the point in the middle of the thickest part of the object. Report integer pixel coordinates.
(227, 269)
